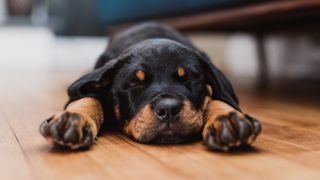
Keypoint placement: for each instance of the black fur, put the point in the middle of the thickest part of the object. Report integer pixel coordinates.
(158, 50)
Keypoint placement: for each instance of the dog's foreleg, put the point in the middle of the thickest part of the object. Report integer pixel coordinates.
(75, 127)
(226, 127)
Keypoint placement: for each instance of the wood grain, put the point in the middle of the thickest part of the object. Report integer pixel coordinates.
(288, 148)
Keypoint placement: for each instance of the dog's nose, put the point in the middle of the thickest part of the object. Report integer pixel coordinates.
(167, 109)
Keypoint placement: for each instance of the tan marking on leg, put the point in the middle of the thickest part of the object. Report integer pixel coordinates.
(214, 109)
(227, 127)
(76, 126)
(90, 109)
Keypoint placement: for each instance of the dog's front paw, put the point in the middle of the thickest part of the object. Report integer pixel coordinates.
(69, 130)
(231, 130)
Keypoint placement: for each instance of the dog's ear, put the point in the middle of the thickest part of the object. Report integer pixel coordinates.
(221, 87)
(95, 82)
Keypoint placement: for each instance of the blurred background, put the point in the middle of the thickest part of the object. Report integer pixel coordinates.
(267, 47)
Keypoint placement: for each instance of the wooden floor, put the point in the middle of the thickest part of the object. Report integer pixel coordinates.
(288, 148)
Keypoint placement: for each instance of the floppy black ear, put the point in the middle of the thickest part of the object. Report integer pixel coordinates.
(221, 87)
(93, 83)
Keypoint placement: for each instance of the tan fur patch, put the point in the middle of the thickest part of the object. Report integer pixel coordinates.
(214, 109)
(140, 75)
(145, 126)
(90, 109)
(70, 127)
(181, 72)
(142, 124)
(191, 120)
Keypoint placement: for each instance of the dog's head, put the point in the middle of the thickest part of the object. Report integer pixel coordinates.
(159, 89)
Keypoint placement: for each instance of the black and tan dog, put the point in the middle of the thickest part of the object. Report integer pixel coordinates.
(158, 88)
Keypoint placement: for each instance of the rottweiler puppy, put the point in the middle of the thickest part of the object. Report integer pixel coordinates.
(157, 87)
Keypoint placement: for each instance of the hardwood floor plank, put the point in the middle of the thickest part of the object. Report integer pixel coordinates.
(13, 163)
(257, 163)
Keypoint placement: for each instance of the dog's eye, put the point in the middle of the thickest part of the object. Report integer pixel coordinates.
(186, 75)
(138, 79)
(133, 83)
(193, 76)
(189, 76)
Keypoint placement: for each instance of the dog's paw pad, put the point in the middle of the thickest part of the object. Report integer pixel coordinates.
(231, 130)
(69, 130)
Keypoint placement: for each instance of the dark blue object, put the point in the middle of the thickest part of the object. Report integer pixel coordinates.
(115, 11)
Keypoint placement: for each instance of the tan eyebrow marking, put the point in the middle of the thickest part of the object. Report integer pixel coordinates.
(140, 75)
(181, 72)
